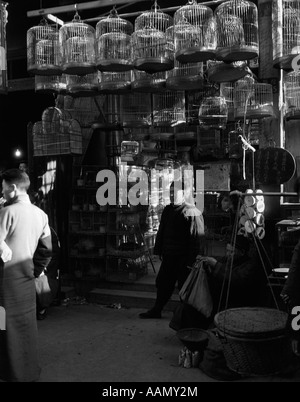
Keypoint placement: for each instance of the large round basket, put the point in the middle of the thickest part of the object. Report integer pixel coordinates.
(254, 340)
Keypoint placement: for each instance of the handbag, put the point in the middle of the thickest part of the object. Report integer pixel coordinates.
(195, 291)
(43, 291)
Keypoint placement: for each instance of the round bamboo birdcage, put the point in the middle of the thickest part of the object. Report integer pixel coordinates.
(43, 50)
(82, 85)
(194, 33)
(219, 71)
(115, 82)
(285, 32)
(113, 41)
(213, 112)
(145, 82)
(185, 76)
(253, 100)
(135, 110)
(152, 47)
(51, 84)
(291, 84)
(77, 41)
(237, 30)
(194, 99)
(169, 108)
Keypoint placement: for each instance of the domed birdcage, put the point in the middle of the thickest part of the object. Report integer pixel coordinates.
(291, 82)
(135, 110)
(43, 50)
(77, 41)
(286, 32)
(194, 100)
(152, 47)
(115, 82)
(145, 82)
(169, 108)
(237, 30)
(194, 33)
(219, 71)
(253, 100)
(51, 84)
(185, 77)
(82, 85)
(113, 41)
(213, 112)
(227, 91)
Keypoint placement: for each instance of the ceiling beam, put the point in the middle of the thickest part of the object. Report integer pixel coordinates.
(80, 6)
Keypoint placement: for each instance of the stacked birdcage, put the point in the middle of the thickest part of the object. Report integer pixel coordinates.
(169, 108)
(194, 99)
(227, 91)
(153, 49)
(77, 41)
(291, 82)
(57, 134)
(115, 82)
(237, 30)
(253, 100)
(185, 76)
(113, 41)
(194, 33)
(213, 112)
(219, 71)
(286, 32)
(82, 85)
(135, 110)
(145, 82)
(43, 50)
(51, 84)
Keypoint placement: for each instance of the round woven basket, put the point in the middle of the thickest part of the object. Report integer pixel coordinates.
(254, 340)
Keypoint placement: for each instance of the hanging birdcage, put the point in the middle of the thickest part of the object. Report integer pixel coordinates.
(213, 112)
(51, 84)
(253, 100)
(129, 150)
(113, 41)
(115, 82)
(145, 82)
(291, 82)
(43, 50)
(153, 48)
(227, 90)
(194, 99)
(237, 30)
(185, 77)
(82, 85)
(77, 41)
(219, 71)
(135, 110)
(194, 33)
(286, 32)
(169, 108)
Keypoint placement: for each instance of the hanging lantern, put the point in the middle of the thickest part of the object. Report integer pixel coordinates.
(56, 84)
(145, 82)
(185, 77)
(194, 33)
(82, 85)
(169, 108)
(113, 41)
(237, 30)
(153, 49)
(43, 50)
(3, 58)
(77, 41)
(253, 100)
(114, 83)
(218, 71)
(285, 32)
(291, 83)
(213, 112)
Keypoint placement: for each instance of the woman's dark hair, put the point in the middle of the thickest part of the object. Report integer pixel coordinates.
(17, 177)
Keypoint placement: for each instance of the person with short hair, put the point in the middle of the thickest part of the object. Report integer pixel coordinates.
(22, 227)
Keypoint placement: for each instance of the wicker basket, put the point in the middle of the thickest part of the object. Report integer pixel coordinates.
(254, 340)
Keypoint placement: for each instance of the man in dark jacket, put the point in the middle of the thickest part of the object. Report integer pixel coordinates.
(178, 242)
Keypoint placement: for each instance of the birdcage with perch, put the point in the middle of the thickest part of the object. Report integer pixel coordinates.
(285, 32)
(115, 82)
(195, 98)
(185, 76)
(194, 33)
(169, 108)
(213, 112)
(43, 50)
(291, 84)
(237, 30)
(153, 49)
(113, 42)
(77, 40)
(82, 85)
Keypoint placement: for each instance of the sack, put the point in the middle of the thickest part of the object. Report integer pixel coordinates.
(195, 291)
(43, 291)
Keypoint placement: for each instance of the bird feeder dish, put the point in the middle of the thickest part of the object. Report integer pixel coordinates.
(113, 42)
(237, 30)
(194, 33)
(291, 83)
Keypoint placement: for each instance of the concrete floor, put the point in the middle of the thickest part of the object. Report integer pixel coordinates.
(95, 343)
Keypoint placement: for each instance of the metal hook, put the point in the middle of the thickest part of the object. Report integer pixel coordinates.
(76, 16)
